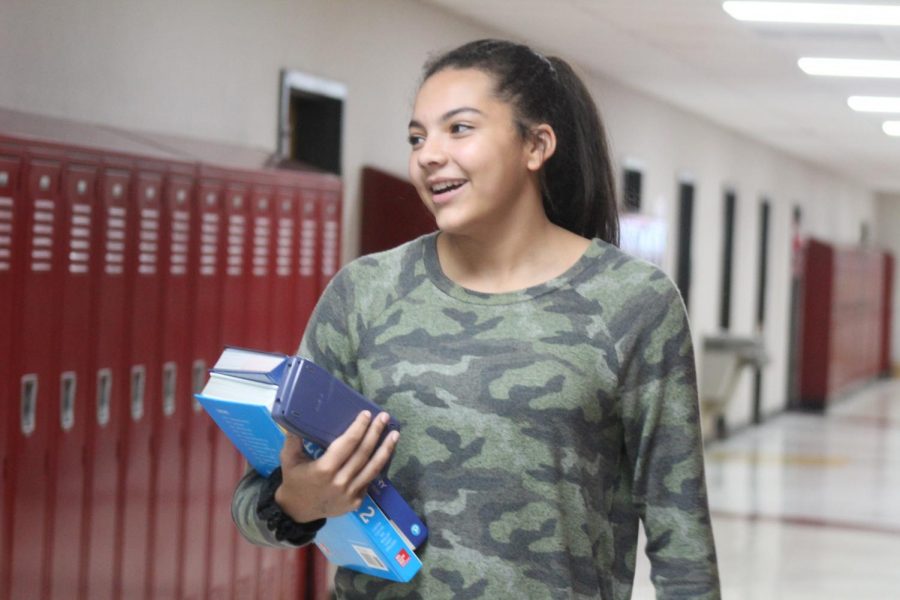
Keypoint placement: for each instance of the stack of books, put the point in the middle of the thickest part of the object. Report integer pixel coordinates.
(255, 396)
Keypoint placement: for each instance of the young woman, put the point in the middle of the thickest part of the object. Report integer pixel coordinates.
(544, 380)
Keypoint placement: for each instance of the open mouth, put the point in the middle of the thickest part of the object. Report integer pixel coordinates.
(445, 187)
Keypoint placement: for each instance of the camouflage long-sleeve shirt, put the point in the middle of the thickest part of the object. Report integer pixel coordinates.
(537, 427)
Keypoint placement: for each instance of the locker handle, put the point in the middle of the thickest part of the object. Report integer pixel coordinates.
(68, 381)
(104, 389)
(198, 377)
(170, 373)
(28, 414)
(138, 386)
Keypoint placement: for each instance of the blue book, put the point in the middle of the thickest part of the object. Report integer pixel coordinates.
(318, 407)
(370, 539)
(241, 408)
(310, 402)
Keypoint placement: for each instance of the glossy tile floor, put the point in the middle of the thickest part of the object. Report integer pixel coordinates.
(808, 506)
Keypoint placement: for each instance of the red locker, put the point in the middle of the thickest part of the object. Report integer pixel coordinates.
(285, 335)
(260, 318)
(286, 331)
(34, 377)
(208, 246)
(220, 564)
(330, 247)
(169, 412)
(233, 560)
(307, 280)
(10, 215)
(143, 371)
(108, 385)
(261, 272)
(70, 391)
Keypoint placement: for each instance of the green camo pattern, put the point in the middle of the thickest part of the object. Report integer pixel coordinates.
(537, 427)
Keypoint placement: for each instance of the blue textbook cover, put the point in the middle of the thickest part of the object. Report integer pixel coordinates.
(378, 539)
(318, 407)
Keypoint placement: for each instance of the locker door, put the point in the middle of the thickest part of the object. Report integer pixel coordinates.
(143, 383)
(330, 245)
(36, 333)
(10, 233)
(241, 576)
(260, 318)
(70, 390)
(208, 246)
(108, 389)
(261, 268)
(285, 336)
(169, 411)
(307, 281)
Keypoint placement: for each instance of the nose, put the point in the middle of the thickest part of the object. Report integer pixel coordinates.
(432, 153)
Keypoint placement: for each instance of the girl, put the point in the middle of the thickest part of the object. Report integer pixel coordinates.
(544, 380)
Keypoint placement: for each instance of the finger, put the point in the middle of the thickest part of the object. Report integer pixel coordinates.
(343, 446)
(376, 464)
(364, 450)
(292, 452)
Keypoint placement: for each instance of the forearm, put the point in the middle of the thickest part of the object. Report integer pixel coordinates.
(245, 514)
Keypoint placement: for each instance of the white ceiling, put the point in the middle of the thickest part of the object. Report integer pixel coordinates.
(692, 54)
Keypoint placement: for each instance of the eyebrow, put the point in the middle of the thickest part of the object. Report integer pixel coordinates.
(447, 115)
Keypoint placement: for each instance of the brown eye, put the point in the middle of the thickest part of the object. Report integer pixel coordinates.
(460, 128)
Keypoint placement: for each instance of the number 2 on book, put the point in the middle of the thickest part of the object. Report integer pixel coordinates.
(368, 514)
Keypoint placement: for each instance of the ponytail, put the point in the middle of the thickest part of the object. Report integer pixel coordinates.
(580, 190)
(577, 184)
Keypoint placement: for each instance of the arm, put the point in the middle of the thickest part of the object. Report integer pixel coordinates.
(253, 522)
(664, 449)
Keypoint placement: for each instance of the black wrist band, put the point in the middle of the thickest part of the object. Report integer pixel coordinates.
(285, 528)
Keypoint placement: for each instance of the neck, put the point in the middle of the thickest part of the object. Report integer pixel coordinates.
(523, 256)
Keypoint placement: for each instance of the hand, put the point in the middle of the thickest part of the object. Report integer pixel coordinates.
(335, 483)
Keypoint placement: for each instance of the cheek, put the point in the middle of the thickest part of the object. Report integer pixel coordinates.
(413, 167)
(415, 174)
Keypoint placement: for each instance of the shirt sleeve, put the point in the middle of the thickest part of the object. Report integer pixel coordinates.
(332, 334)
(326, 343)
(664, 451)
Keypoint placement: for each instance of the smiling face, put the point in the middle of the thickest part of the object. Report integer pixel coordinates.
(471, 166)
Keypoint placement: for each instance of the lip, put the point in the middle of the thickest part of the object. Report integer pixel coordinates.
(447, 197)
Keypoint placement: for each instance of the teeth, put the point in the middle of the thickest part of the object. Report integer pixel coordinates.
(446, 185)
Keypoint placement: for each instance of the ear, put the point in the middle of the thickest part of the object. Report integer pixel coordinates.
(540, 146)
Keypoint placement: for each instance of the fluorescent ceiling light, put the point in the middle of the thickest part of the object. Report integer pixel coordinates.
(880, 104)
(810, 12)
(892, 128)
(850, 67)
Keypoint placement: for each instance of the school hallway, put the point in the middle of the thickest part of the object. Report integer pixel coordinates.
(807, 506)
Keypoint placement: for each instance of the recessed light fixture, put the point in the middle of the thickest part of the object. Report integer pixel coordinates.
(850, 67)
(892, 128)
(812, 12)
(879, 104)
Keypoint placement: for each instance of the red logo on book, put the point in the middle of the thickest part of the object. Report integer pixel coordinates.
(402, 557)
